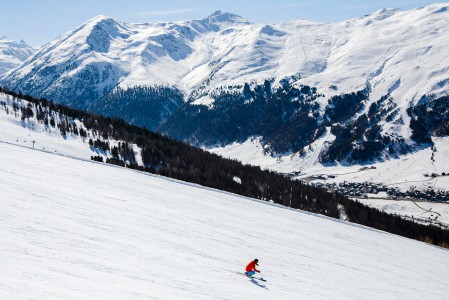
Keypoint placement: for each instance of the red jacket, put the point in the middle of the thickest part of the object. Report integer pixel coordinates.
(251, 266)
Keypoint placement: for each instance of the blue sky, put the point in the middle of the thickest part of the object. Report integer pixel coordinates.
(40, 21)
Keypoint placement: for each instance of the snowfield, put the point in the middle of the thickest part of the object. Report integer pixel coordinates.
(424, 212)
(74, 229)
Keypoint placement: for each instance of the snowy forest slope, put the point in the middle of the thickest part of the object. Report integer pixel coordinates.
(43, 125)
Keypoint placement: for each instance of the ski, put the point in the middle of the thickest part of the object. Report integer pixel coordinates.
(252, 277)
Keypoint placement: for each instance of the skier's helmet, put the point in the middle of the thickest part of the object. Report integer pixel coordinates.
(256, 260)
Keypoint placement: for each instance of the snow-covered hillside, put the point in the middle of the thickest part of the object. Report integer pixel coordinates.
(33, 134)
(12, 54)
(74, 229)
(411, 172)
(408, 171)
(424, 212)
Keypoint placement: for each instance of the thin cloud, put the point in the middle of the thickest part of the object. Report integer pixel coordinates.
(383, 4)
(153, 13)
(287, 5)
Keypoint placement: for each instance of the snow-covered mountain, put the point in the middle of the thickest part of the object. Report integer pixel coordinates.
(85, 64)
(392, 51)
(68, 233)
(12, 54)
(361, 88)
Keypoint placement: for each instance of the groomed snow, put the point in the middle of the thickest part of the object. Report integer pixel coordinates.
(74, 229)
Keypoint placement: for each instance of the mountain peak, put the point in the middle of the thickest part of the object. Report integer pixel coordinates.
(226, 17)
(438, 8)
(99, 18)
(215, 13)
(102, 19)
(385, 13)
(21, 44)
(388, 10)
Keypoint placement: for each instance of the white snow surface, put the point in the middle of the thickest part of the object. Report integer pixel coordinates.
(425, 212)
(74, 229)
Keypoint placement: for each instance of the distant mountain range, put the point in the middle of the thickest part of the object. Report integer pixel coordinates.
(361, 88)
(12, 54)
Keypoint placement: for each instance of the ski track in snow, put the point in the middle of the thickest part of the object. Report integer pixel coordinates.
(74, 229)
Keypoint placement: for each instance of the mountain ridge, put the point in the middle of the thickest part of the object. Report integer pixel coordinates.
(182, 34)
(13, 53)
(380, 65)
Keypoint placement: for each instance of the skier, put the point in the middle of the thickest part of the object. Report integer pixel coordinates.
(251, 268)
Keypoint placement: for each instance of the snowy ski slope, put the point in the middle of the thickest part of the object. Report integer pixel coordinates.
(30, 133)
(74, 229)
